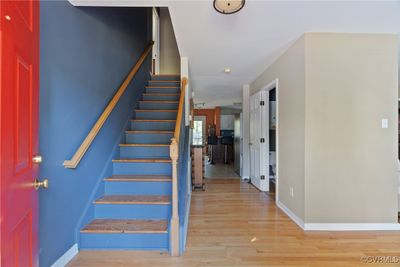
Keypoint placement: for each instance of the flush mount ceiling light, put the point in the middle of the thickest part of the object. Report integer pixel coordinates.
(227, 70)
(199, 105)
(228, 6)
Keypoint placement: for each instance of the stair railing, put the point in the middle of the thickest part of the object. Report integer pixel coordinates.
(174, 154)
(73, 163)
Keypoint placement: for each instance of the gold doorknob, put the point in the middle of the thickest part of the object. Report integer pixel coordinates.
(44, 184)
(37, 159)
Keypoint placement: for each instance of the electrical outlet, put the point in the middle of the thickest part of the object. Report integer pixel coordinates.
(291, 192)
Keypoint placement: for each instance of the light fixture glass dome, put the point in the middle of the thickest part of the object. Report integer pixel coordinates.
(228, 6)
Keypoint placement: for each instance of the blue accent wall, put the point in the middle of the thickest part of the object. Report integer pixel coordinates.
(184, 186)
(85, 55)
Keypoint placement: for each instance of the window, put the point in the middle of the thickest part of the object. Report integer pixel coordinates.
(197, 133)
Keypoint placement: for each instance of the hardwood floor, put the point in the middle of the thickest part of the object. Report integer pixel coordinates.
(233, 224)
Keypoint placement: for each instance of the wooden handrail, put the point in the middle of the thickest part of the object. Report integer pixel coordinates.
(177, 132)
(174, 154)
(73, 163)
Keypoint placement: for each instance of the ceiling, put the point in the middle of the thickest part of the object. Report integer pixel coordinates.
(250, 40)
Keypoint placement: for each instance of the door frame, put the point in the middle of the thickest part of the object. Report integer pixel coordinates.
(203, 119)
(155, 56)
(275, 85)
(262, 111)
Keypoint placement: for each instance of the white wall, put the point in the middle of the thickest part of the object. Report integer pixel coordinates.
(169, 54)
(334, 89)
(290, 70)
(351, 162)
(188, 93)
(245, 134)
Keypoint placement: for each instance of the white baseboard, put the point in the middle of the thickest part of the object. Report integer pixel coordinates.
(338, 226)
(67, 257)
(352, 227)
(291, 214)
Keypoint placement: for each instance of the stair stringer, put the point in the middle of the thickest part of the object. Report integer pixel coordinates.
(99, 188)
(91, 237)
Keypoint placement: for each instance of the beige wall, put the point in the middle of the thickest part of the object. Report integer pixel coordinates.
(334, 89)
(169, 53)
(350, 160)
(290, 69)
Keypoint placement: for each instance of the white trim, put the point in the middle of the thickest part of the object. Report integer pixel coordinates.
(352, 227)
(67, 257)
(338, 226)
(155, 53)
(268, 87)
(291, 214)
(271, 85)
(277, 132)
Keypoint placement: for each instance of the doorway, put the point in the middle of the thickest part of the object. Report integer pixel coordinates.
(259, 140)
(156, 39)
(199, 130)
(398, 160)
(219, 140)
(264, 138)
(272, 140)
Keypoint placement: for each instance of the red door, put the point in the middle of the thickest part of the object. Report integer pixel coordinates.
(19, 73)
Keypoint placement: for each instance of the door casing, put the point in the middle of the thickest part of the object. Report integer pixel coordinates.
(263, 95)
(156, 39)
(258, 149)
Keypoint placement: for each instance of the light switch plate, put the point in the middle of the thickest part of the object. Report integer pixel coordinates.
(385, 123)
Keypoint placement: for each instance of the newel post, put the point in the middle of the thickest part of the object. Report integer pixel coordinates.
(174, 224)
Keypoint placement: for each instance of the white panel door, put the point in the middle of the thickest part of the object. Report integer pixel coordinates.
(156, 39)
(264, 146)
(258, 149)
(252, 140)
(241, 144)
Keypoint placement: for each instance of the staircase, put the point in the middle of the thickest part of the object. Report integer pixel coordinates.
(135, 210)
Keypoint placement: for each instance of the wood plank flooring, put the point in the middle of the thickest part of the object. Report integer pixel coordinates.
(233, 224)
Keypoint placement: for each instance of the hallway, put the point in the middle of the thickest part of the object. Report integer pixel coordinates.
(233, 224)
(220, 170)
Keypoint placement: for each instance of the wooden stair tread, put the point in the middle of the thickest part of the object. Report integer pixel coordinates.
(138, 178)
(161, 94)
(139, 120)
(126, 226)
(134, 199)
(144, 145)
(150, 131)
(164, 81)
(156, 110)
(159, 101)
(167, 74)
(150, 160)
(163, 87)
